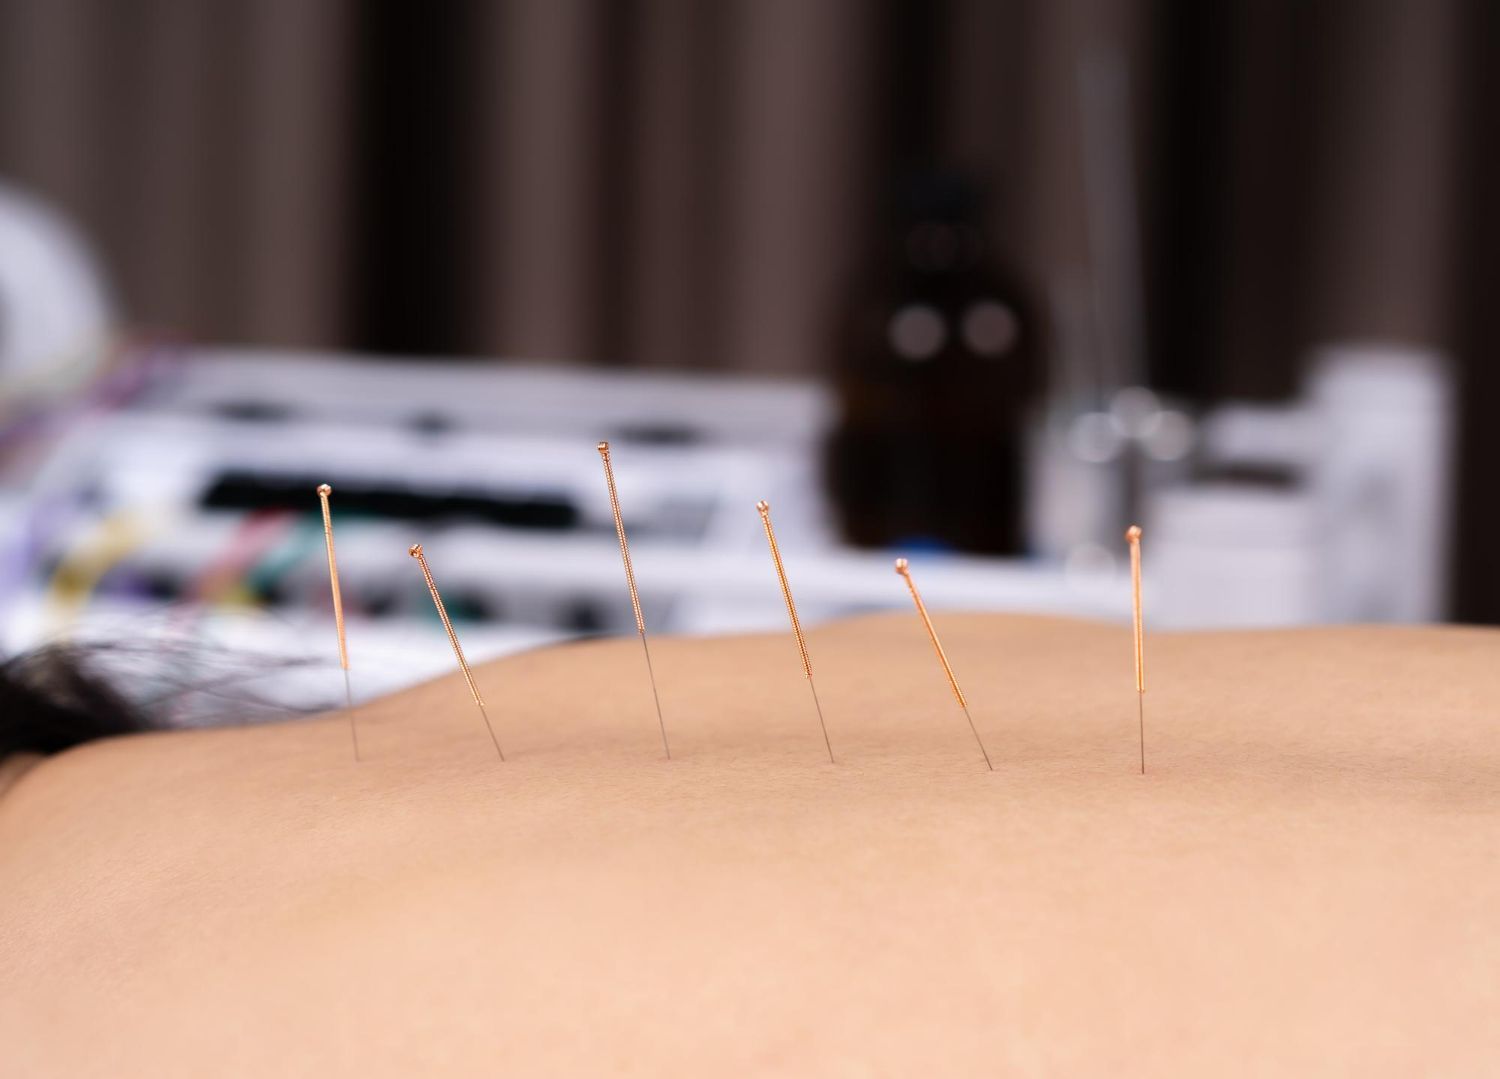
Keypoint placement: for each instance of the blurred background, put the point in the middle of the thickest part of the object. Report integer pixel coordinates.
(975, 281)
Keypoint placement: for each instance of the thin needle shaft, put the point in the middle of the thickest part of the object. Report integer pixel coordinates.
(338, 611)
(635, 596)
(791, 610)
(1140, 715)
(1133, 537)
(821, 725)
(349, 706)
(651, 674)
(437, 601)
(904, 569)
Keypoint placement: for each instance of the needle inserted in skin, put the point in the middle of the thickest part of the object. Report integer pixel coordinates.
(904, 569)
(415, 550)
(635, 597)
(1133, 537)
(791, 610)
(338, 612)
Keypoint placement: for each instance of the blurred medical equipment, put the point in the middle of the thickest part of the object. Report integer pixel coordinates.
(201, 489)
(1336, 508)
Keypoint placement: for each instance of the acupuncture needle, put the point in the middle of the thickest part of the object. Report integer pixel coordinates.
(1133, 536)
(791, 609)
(324, 490)
(635, 596)
(904, 569)
(415, 550)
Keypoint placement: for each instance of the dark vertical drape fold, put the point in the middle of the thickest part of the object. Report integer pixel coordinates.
(675, 183)
(1476, 282)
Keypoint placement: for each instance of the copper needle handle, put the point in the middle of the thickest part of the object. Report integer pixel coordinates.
(764, 509)
(614, 505)
(324, 490)
(415, 550)
(1133, 535)
(333, 575)
(904, 569)
(635, 596)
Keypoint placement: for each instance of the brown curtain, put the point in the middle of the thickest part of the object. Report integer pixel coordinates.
(672, 182)
(203, 148)
(669, 182)
(1210, 188)
(1306, 159)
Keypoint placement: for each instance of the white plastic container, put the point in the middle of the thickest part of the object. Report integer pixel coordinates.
(1226, 554)
(1380, 473)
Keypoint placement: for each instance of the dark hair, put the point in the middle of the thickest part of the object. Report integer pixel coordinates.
(68, 693)
(51, 699)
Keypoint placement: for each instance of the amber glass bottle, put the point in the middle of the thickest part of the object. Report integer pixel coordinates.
(938, 364)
